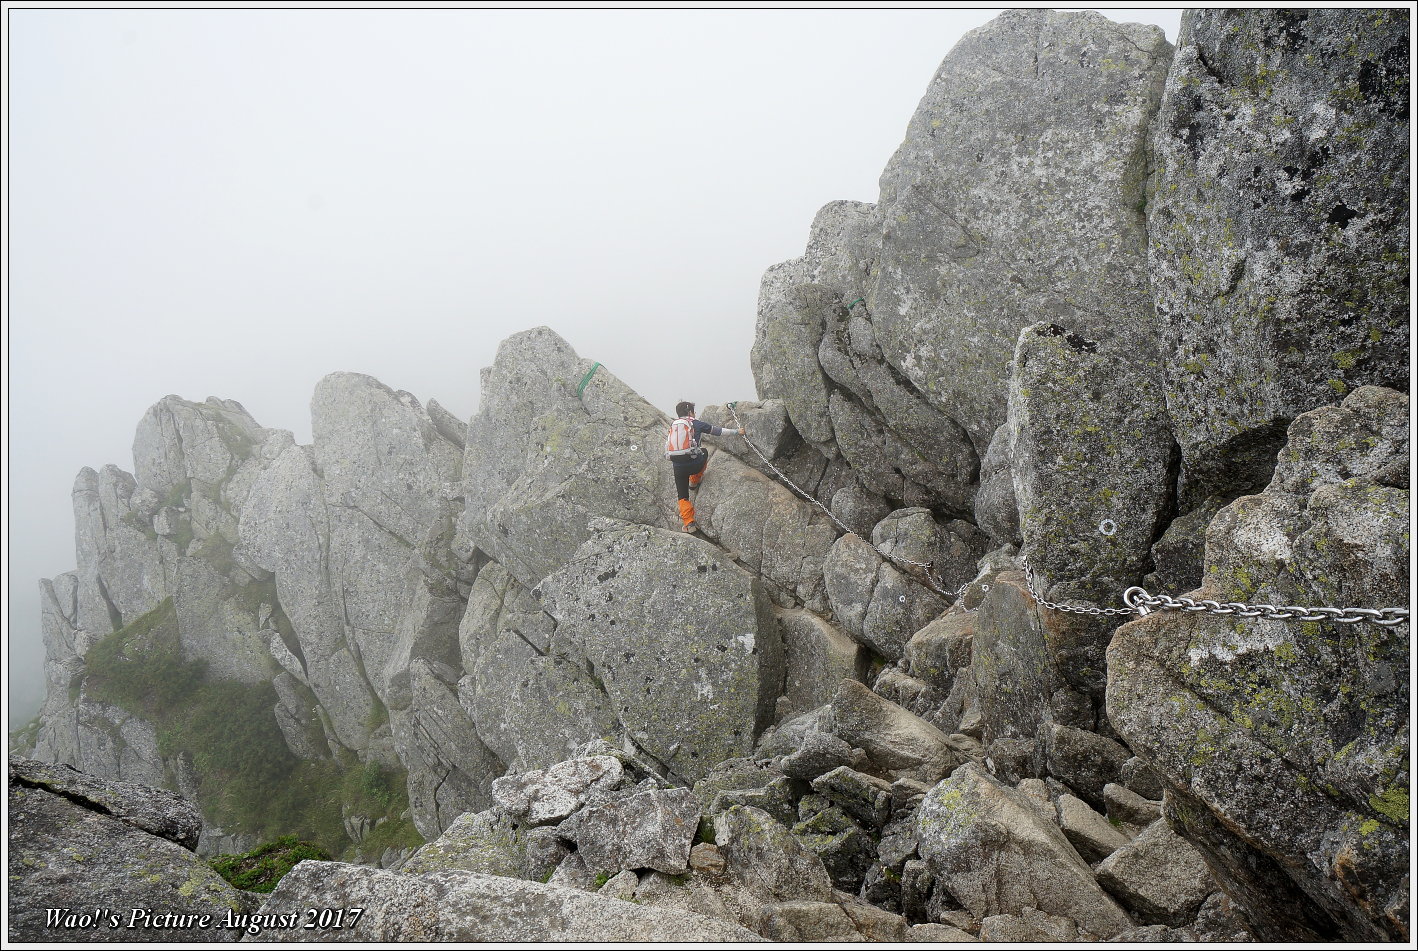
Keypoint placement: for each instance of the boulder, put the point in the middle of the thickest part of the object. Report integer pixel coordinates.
(982, 233)
(996, 855)
(746, 782)
(550, 795)
(1087, 831)
(1014, 663)
(650, 829)
(820, 752)
(1220, 920)
(683, 639)
(621, 885)
(460, 906)
(941, 649)
(773, 532)
(951, 547)
(893, 738)
(533, 698)
(156, 811)
(1284, 744)
(546, 454)
(1085, 761)
(763, 855)
(1279, 257)
(1031, 925)
(807, 921)
(1141, 778)
(1128, 807)
(1159, 876)
(817, 657)
(119, 853)
(936, 933)
(1154, 934)
(858, 508)
(1092, 459)
(866, 797)
(488, 842)
(897, 442)
(873, 600)
(846, 849)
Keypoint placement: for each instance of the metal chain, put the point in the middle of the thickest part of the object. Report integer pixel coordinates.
(1144, 604)
(1141, 603)
(1137, 599)
(932, 580)
(1072, 608)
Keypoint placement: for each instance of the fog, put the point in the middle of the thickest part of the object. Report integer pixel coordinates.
(235, 203)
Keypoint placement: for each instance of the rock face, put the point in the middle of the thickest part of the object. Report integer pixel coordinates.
(79, 844)
(1278, 254)
(467, 906)
(683, 639)
(975, 256)
(1285, 746)
(994, 854)
(1061, 354)
(1091, 469)
(544, 456)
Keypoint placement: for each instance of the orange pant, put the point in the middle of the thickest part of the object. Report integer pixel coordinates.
(687, 476)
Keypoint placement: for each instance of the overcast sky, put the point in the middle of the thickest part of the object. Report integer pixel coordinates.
(236, 203)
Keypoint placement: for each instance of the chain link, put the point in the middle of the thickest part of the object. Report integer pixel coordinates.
(1141, 603)
(1144, 603)
(1072, 608)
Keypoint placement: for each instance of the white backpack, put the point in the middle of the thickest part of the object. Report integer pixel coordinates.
(680, 440)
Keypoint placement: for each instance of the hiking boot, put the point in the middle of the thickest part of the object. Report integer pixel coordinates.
(692, 527)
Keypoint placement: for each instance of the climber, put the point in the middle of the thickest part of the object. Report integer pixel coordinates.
(689, 458)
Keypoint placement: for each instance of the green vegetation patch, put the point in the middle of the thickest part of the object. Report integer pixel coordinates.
(260, 869)
(22, 740)
(398, 834)
(248, 780)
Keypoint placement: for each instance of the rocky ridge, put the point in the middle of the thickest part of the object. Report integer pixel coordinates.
(1046, 360)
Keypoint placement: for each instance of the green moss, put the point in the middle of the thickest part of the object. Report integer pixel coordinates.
(398, 834)
(216, 551)
(135, 521)
(372, 789)
(260, 869)
(1393, 803)
(378, 716)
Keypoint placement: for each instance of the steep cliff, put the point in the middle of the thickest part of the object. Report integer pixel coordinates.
(1095, 333)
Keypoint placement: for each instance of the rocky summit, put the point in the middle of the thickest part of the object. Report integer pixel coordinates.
(1123, 315)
